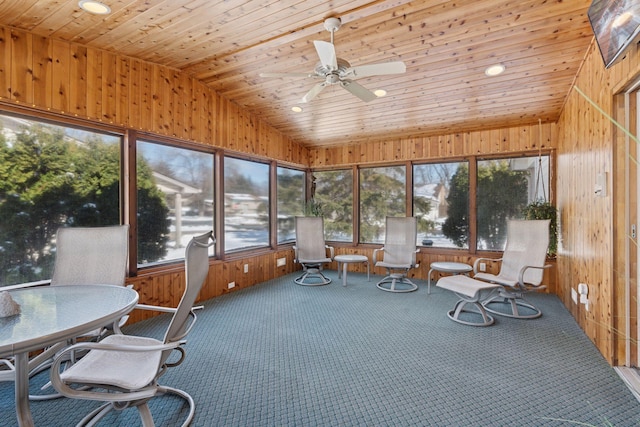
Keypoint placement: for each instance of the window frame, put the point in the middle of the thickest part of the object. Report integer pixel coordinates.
(128, 200)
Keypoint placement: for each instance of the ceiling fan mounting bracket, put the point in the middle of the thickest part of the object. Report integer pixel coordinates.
(332, 24)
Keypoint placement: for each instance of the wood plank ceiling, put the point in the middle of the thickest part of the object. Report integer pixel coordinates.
(446, 46)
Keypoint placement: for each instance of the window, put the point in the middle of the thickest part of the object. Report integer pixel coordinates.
(290, 193)
(246, 204)
(441, 204)
(51, 176)
(333, 192)
(175, 200)
(382, 194)
(505, 187)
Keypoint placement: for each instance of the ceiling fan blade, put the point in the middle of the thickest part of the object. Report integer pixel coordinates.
(358, 90)
(314, 92)
(380, 69)
(327, 53)
(287, 75)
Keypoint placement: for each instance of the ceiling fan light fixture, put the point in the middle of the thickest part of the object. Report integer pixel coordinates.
(297, 109)
(380, 93)
(495, 70)
(94, 7)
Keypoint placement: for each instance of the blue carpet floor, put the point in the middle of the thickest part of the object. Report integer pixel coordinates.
(279, 354)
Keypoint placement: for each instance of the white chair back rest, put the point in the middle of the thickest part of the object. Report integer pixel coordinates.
(310, 238)
(196, 262)
(400, 240)
(91, 255)
(527, 244)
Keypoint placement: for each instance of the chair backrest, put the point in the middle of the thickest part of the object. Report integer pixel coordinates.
(310, 242)
(91, 255)
(196, 261)
(527, 244)
(400, 240)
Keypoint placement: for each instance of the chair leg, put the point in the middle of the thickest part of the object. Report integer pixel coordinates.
(398, 282)
(184, 395)
(514, 303)
(145, 415)
(143, 408)
(312, 276)
(460, 308)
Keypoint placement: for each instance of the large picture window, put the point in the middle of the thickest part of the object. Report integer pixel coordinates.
(505, 187)
(333, 194)
(382, 194)
(51, 176)
(290, 193)
(441, 204)
(175, 200)
(246, 204)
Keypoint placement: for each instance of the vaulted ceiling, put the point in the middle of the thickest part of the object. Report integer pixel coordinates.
(445, 45)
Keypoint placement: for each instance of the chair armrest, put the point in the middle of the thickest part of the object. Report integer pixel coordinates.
(155, 308)
(476, 264)
(521, 281)
(375, 254)
(331, 251)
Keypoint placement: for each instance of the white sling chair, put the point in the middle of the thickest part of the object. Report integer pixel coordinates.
(398, 254)
(521, 270)
(83, 256)
(310, 251)
(123, 370)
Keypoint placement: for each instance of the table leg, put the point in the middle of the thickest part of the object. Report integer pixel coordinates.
(344, 274)
(429, 282)
(22, 390)
(368, 276)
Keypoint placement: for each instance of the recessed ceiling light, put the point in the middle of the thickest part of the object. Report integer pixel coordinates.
(495, 70)
(94, 7)
(296, 109)
(379, 92)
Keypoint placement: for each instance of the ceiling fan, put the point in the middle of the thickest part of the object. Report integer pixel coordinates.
(337, 71)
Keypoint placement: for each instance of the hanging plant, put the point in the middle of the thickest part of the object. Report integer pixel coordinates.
(545, 210)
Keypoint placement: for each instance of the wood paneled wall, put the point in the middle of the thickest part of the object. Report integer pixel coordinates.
(47, 75)
(76, 81)
(592, 240)
(165, 289)
(457, 145)
(454, 145)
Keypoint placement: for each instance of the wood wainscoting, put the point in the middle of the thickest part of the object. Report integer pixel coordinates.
(165, 288)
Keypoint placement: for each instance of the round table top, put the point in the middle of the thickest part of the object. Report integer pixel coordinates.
(451, 267)
(351, 258)
(50, 314)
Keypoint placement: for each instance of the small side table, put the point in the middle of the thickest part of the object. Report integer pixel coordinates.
(350, 259)
(448, 267)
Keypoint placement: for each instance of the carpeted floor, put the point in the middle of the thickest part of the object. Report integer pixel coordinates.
(279, 354)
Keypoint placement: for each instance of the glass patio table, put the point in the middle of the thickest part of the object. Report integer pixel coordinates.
(53, 314)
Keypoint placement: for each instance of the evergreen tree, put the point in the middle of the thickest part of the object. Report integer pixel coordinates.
(334, 194)
(48, 180)
(382, 194)
(501, 195)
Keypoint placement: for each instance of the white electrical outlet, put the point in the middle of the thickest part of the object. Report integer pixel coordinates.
(574, 296)
(246, 268)
(231, 285)
(280, 262)
(483, 266)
